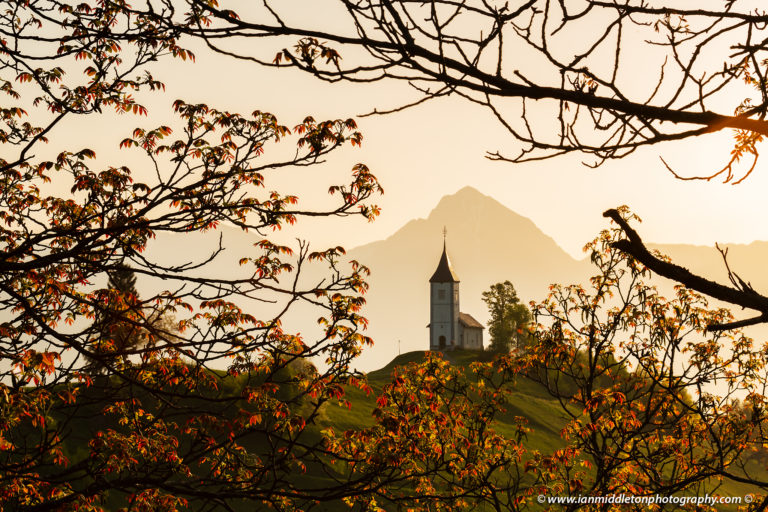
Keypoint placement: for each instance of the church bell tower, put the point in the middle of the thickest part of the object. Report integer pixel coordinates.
(443, 304)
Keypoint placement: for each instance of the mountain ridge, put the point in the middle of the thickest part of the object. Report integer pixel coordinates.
(487, 243)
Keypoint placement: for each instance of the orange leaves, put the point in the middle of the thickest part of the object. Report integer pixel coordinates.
(636, 369)
(432, 425)
(85, 153)
(47, 364)
(326, 135)
(146, 139)
(135, 108)
(331, 254)
(226, 314)
(362, 187)
(182, 53)
(34, 365)
(306, 52)
(211, 402)
(279, 57)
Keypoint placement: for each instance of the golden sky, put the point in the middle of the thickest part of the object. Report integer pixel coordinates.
(435, 149)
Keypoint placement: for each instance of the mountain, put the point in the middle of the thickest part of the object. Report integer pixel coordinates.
(746, 260)
(486, 242)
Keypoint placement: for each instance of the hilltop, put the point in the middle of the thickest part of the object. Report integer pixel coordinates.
(528, 400)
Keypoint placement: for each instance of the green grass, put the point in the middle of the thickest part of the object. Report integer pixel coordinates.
(527, 399)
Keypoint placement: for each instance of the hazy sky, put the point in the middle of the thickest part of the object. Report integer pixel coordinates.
(435, 149)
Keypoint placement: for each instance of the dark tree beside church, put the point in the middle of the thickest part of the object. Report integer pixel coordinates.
(123, 279)
(508, 317)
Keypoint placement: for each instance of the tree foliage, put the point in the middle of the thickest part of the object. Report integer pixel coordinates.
(435, 445)
(653, 401)
(561, 78)
(508, 317)
(215, 410)
(117, 336)
(220, 410)
(648, 402)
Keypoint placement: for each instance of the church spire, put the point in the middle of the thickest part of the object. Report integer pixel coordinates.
(444, 272)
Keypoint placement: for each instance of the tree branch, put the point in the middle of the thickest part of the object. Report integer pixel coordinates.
(634, 246)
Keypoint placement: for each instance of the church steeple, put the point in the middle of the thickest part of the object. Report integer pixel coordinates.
(444, 272)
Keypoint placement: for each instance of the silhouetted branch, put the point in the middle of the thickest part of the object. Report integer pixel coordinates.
(737, 295)
(472, 49)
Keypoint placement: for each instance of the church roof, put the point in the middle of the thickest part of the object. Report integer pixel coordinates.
(468, 320)
(444, 272)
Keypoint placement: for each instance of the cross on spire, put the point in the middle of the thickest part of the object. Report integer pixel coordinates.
(445, 233)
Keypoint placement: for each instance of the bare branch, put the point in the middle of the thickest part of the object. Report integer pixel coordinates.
(737, 295)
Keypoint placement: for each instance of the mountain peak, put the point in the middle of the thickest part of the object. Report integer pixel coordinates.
(466, 195)
(469, 215)
(487, 242)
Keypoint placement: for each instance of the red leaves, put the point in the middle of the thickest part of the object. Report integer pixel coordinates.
(160, 402)
(306, 52)
(326, 135)
(34, 365)
(431, 421)
(331, 254)
(279, 57)
(147, 140)
(182, 53)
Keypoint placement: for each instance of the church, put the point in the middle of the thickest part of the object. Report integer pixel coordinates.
(449, 328)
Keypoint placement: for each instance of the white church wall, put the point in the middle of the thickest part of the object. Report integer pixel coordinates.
(443, 314)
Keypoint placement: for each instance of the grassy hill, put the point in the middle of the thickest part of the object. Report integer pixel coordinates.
(527, 399)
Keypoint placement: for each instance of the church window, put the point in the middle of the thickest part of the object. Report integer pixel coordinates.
(441, 294)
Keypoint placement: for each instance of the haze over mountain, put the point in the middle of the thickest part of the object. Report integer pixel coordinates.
(746, 260)
(487, 243)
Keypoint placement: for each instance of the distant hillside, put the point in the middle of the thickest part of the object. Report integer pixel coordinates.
(747, 260)
(529, 400)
